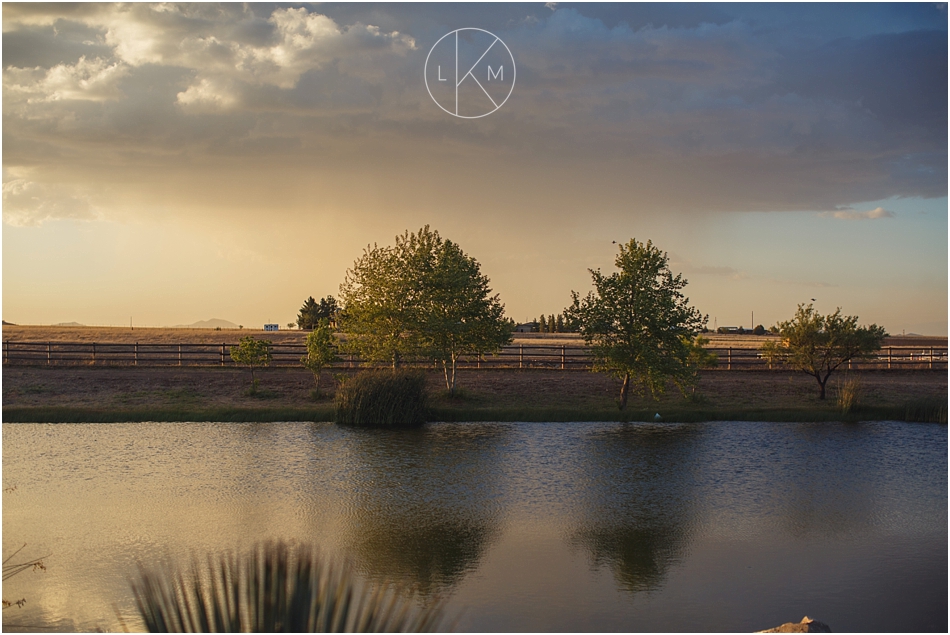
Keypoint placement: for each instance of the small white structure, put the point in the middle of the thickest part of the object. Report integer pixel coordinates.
(271, 327)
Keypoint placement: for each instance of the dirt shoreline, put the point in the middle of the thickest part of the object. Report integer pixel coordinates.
(172, 393)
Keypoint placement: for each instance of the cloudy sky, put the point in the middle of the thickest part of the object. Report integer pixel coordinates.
(174, 163)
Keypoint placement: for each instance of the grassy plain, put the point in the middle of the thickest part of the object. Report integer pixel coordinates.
(154, 335)
(90, 393)
(102, 393)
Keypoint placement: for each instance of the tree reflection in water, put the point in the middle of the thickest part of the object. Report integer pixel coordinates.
(638, 515)
(425, 508)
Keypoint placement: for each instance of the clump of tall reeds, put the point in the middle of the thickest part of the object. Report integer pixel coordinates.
(383, 398)
(849, 394)
(273, 588)
(926, 410)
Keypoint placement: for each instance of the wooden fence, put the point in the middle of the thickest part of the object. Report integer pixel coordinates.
(512, 356)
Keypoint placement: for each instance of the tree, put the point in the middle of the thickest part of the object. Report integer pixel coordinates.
(252, 352)
(312, 312)
(542, 324)
(819, 344)
(320, 350)
(422, 297)
(559, 326)
(638, 324)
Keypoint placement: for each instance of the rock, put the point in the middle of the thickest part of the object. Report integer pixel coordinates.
(807, 625)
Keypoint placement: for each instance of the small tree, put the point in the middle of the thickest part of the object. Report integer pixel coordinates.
(819, 344)
(252, 353)
(320, 350)
(542, 324)
(638, 324)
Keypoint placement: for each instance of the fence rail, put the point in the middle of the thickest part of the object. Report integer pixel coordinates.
(513, 356)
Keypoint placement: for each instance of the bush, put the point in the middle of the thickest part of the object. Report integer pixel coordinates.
(273, 588)
(383, 398)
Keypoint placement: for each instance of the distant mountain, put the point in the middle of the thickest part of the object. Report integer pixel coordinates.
(213, 323)
(69, 324)
(5, 323)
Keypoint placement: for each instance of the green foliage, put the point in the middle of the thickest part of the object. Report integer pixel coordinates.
(252, 353)
(383, 398)
(312, 312)
(273, 588)
(321, 351)
(542, 324)
(423, 297)
(819, 344)
(758, 330)
(638, 324)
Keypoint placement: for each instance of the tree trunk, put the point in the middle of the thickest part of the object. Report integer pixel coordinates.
(821, 388)
(445, 371)
(624, 390)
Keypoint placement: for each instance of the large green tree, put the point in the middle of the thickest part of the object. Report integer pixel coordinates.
(638, 323)
(820, 344)
(423, 297)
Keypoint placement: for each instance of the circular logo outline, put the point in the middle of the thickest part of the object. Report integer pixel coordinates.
(514, 72)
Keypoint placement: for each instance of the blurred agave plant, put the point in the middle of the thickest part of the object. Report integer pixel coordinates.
(274, 588)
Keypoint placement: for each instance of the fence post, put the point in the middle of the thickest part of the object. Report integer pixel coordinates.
(931, 358)
(222, 354)
(179, 354)
(729, 357)
(888, 358)
(6, 353)
(520, 355)
(49, 353)
(93, 352)
(562, 356)
(135, 354)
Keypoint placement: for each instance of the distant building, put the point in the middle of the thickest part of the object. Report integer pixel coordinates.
(527, 327)
(271, 327)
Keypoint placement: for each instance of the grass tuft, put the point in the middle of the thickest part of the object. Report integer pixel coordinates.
(273, 588)
(849, 394)
(383, 398)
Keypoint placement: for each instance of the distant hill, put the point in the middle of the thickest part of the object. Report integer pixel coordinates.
(69, 324)
(213, 323)
(5, 323)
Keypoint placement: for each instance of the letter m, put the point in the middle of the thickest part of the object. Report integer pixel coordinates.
(499, 75)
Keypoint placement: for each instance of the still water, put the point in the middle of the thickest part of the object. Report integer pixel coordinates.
(521, 526)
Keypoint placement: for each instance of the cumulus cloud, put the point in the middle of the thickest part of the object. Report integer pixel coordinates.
(851, 214)
(86, 80)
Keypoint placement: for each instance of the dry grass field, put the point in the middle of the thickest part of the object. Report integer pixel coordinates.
(148, 335)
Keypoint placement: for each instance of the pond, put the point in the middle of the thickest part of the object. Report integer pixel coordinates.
(520, 526)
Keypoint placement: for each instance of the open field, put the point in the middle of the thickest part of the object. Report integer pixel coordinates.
(37, 393)
(149, 335)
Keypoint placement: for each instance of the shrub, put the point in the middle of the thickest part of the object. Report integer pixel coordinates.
(273, 588)
(382, 398)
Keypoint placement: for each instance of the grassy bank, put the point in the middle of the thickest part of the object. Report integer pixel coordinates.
(103, 394)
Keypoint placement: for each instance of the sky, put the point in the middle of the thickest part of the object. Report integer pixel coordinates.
(166, 164)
